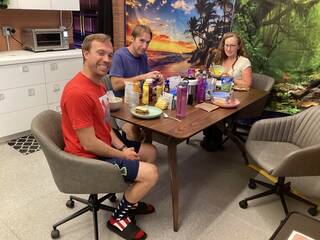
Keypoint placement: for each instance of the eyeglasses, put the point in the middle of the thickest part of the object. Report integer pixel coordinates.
(230, 45)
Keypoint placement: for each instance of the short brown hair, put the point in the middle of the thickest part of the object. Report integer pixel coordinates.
(87, 42)
(100, 37)
(139, 29)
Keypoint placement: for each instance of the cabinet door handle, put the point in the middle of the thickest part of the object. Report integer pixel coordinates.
(25, 68)
(54, 66)
(2, 96)
(31, 92)
(56, 88)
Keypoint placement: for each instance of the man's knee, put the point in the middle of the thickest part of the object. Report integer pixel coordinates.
(152, 152)
(148, 153)
(154, 173)
(151, 173)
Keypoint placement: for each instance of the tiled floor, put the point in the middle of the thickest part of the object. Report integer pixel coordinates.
(211, 185)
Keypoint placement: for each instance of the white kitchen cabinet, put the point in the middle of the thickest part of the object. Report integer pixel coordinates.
(62, 70)
(16, 122)
(18, 75)
(55, 107)
(16, 99)
(66, 5)
(54, 91)
(30, 83)
(58, 73)
(69, 5)
(13, 4)
(40, 4)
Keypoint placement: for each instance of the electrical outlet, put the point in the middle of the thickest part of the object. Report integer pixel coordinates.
(6, 30)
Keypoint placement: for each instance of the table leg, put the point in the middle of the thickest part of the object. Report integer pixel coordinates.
(172, 160)
(148, 136)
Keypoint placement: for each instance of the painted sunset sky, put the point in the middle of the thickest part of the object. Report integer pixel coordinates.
(168, 21)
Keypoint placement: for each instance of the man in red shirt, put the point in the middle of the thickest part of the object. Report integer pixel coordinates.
(87, 132)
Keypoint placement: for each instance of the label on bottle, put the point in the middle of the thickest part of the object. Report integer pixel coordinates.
(158, 91)
(226, 83)
(145, 93)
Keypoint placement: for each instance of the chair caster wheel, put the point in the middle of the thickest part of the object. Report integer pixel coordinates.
(70, 204)
(243, 204)
(313, 211)
(252, 184)
(113, 198)
(55, 233)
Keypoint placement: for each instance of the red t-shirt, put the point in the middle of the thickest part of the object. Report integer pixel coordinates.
(84, 104)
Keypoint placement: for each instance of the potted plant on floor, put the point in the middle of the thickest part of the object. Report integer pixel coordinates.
(4, 4)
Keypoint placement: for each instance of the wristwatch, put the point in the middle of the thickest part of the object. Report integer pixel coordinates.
(122, 147)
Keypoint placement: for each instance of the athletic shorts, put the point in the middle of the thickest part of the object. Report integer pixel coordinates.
(129, 168)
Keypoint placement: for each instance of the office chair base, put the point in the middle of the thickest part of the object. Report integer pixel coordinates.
(281, 188)
(93, 204)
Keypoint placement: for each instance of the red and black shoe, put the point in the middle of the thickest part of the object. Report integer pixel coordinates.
(142, 208)
(126, 228)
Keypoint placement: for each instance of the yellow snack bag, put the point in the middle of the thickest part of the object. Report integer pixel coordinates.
(161, 103)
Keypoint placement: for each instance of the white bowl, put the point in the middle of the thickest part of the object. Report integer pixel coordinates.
(115, 104)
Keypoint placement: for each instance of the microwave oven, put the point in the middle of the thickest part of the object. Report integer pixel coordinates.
(45, 39)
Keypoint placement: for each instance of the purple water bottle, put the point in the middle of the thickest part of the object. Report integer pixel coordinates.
(201, 88)
(182, 94)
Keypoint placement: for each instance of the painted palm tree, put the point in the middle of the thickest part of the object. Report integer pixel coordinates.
(207, 28)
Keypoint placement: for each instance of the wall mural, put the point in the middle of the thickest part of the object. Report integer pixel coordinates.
(183, 30)
(281, 38)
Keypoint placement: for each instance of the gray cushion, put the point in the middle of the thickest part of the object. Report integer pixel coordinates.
(288, 146)
(269, 155)
(73, 174)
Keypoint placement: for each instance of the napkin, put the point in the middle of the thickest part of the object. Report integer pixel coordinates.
(207, 106)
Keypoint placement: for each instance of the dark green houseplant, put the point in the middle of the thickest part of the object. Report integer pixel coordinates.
(4, 4)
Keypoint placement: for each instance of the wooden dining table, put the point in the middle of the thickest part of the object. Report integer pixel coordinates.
(170, 132)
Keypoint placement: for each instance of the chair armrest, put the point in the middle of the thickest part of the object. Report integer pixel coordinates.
(80, 175)
(273, 129)
(304, 162)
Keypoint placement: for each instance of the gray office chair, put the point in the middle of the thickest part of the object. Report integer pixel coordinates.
(284, 147)
(73, 174)
(260, 82)
(248, 114)
(106, 80)
(238, 128)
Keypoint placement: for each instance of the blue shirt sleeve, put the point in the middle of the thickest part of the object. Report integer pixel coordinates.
(117, 68)
(145, 63)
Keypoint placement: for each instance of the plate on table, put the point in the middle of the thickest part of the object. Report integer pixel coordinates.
(225, 104)
(237, 88)
(154, 112)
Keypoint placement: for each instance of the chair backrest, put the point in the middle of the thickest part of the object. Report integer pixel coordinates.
(71, 173)
(303, 130)
(47, 128)
(307, 127)
(107, 82)
(262, 82)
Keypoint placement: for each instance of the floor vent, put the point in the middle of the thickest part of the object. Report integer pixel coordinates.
(25, 145)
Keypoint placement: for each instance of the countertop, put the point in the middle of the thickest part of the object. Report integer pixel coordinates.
(24, 56)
